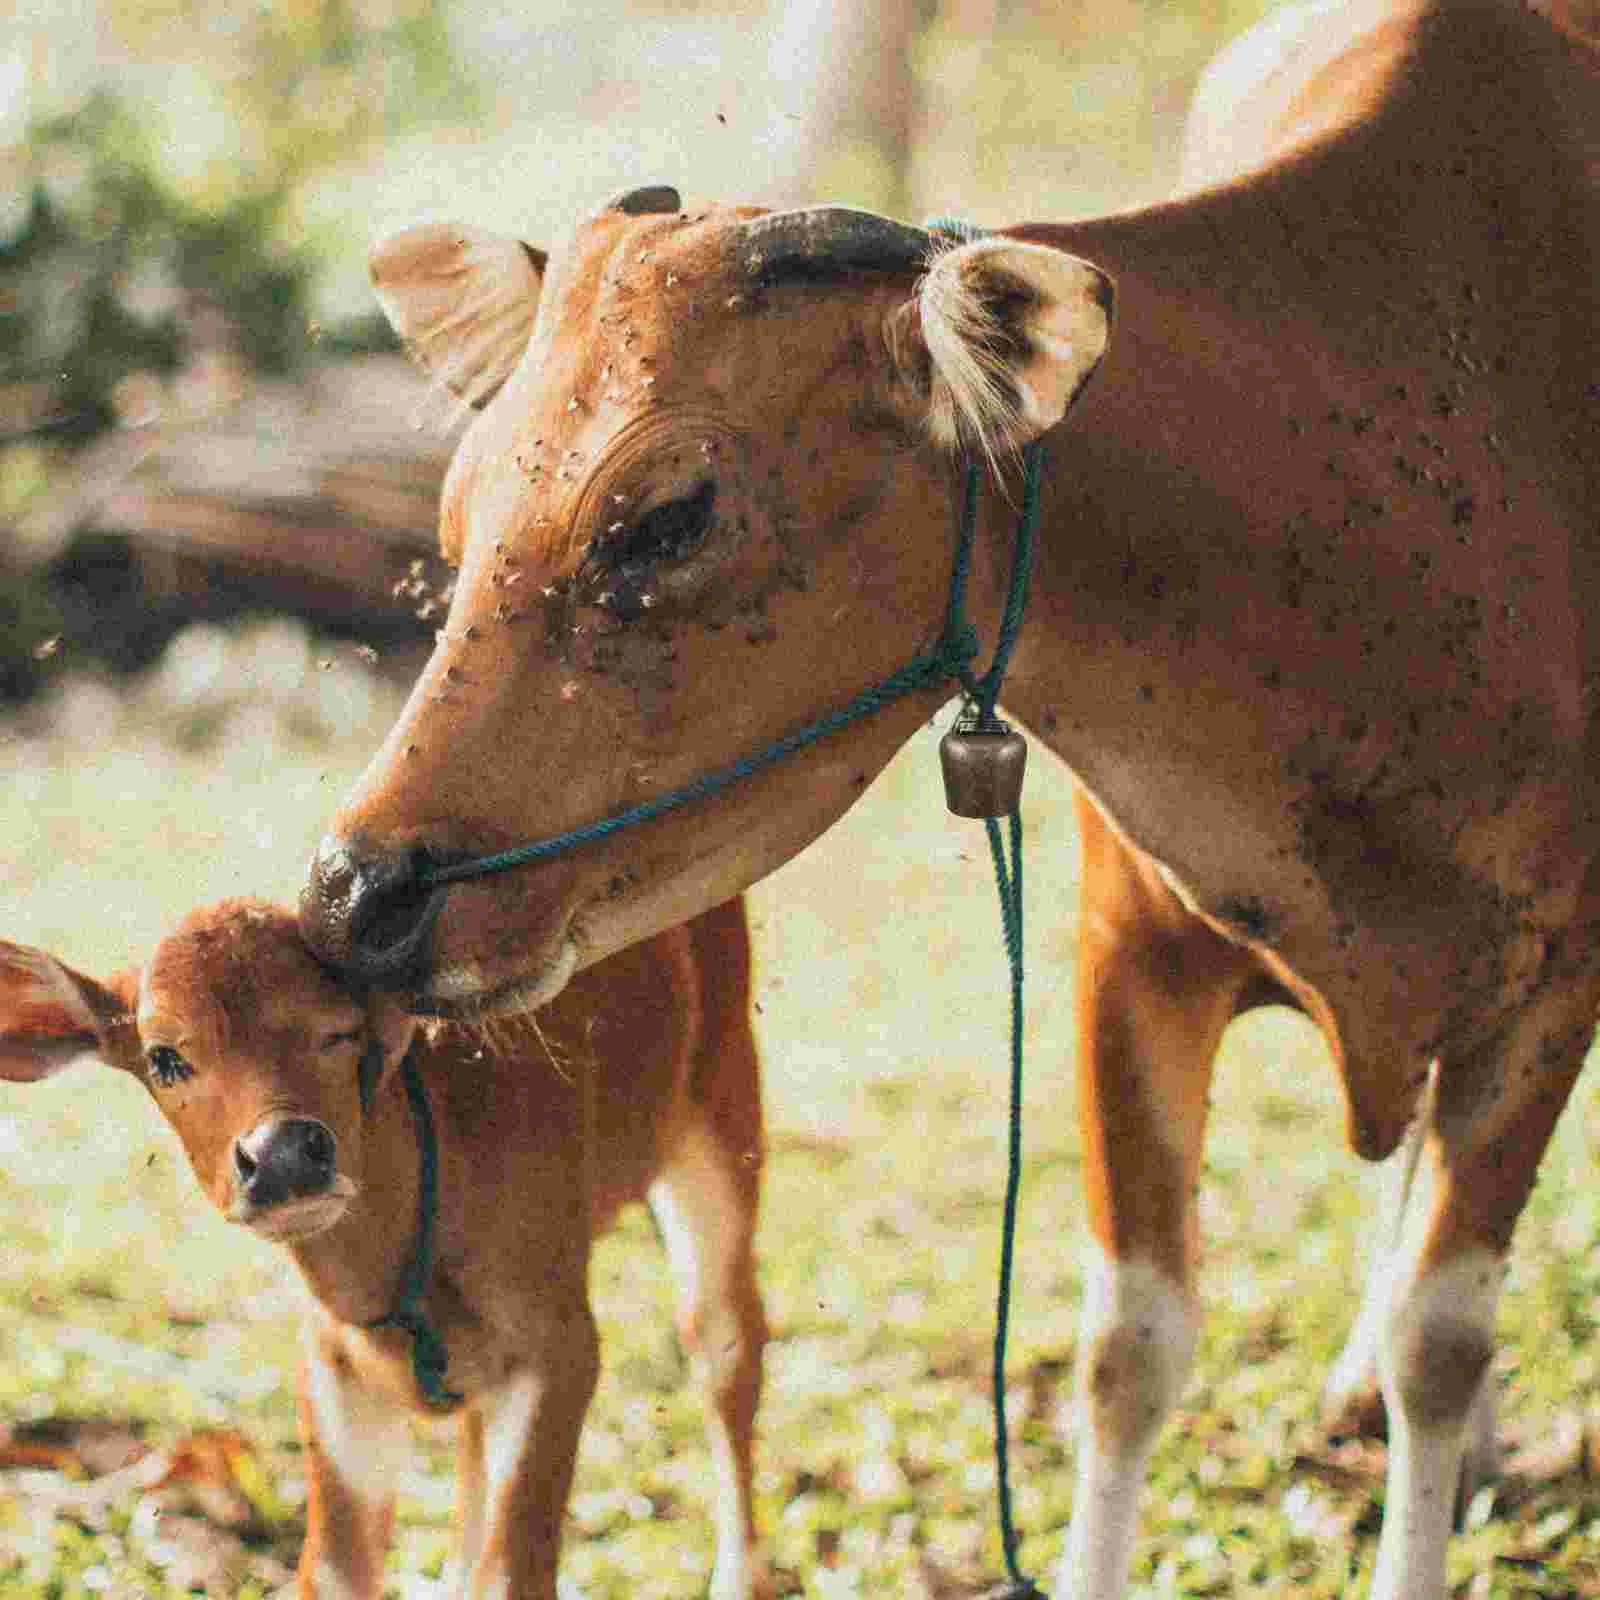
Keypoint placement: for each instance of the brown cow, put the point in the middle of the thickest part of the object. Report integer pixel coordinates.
(1311, 624)
(641, 1080)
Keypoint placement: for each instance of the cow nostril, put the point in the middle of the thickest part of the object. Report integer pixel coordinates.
(244, 1164)
(319, 1147)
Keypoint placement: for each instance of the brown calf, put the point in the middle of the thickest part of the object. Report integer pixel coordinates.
(641, 1082)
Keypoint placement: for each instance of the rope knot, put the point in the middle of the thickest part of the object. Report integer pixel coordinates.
(429, 1355)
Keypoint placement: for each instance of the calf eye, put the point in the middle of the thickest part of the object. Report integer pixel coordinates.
(167, 1067)
(668, 533)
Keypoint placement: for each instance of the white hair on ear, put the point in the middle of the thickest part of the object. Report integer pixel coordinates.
(1012, 332)
(976, 402)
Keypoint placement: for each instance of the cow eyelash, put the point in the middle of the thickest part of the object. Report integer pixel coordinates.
(166, 1066)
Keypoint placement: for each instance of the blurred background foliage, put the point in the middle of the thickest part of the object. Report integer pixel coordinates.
(188, 187)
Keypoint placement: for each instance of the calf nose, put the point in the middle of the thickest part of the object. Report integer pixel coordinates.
(366, 912)
(284, 1158)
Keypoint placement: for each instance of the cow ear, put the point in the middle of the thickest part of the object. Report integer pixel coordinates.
(51, 1015)
(462, 299)
(1000, 340)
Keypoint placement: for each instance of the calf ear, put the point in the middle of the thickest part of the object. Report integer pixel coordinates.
(462, 299)
(51, 1015)
(1000, 340)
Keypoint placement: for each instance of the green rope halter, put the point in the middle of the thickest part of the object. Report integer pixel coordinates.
(948, 660)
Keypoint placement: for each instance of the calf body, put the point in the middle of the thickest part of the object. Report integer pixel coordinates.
(640, 1083)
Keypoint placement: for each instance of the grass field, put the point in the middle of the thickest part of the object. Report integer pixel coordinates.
(126, 1303)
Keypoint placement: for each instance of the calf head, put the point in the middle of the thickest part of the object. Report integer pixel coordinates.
(249, 1048)
(709, 497)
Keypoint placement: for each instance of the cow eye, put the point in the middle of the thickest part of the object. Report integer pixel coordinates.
(166, 1066)
(666, 533)
(332, 1041)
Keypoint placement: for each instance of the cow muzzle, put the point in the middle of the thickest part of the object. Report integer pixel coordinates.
(367, 913)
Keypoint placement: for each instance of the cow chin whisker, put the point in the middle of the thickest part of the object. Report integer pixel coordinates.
(459, 995)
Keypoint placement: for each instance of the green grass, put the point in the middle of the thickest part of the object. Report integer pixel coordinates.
(881, 986)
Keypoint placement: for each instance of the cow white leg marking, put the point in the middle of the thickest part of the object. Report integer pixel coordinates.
(1136, 1340)
(1434, 1363)
(707, 1225)
(1352, 1386)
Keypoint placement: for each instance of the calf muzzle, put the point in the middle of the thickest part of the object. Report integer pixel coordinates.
(283, 1159)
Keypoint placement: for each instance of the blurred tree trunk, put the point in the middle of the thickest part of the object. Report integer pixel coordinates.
(848, 101)
(944, 175)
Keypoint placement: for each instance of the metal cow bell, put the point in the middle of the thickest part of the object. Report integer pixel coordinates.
(983, 761)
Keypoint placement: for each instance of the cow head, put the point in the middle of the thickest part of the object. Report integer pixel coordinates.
(708, 497)
(247, 1046)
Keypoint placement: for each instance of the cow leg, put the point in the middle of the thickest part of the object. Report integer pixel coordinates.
(1352, 1403)
(1479, 1155)
(354, 1441)
(1156, 989)
(705, 1205)
(1353, 1399)
(518, 1454)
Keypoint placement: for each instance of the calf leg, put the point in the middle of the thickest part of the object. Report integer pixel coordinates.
(354, 1441)
(705, 1204)
(1480, 1153)
(1156, 989)
(519, 1445)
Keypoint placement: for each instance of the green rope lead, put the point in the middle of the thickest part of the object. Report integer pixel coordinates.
(982, 694)
(429, 1355)
(949, 659)
(1009, 882)
(986, 690)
